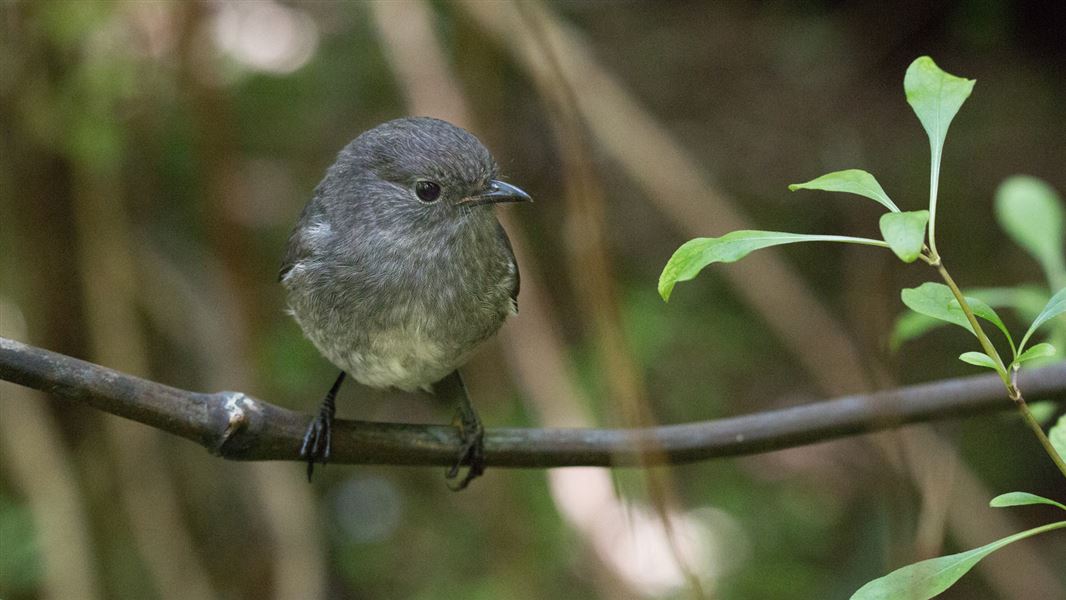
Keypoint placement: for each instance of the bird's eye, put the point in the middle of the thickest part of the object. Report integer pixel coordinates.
(427, 191)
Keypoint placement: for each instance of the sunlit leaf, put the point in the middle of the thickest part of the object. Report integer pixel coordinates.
(1030, 211)
(925, 579)
(936, 97)
(851, 181)
(1037, 351)
(905, 233)
(1022, 499)
(1027, 301)
(1054, 307)
(694, 255)
(935, 300)
(979, 359)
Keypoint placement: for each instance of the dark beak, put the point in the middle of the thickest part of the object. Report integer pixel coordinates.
(497, 192)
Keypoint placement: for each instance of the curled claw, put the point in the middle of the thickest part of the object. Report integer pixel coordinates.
(471, 451)
(317, 442)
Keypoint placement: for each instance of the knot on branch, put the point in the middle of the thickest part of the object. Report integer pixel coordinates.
(234, 411)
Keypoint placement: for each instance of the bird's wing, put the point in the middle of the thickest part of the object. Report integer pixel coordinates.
(510, 251)
(299, 246)
(292, 254)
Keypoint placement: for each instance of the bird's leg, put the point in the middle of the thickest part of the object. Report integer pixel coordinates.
(471, 435)
(317, 440)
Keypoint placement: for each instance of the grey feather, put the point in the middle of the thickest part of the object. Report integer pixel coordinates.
(395, 291)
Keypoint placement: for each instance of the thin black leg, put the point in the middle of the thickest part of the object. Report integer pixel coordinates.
(471, 434)
(319, 436)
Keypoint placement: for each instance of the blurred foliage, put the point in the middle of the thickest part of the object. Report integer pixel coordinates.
(210, 149)
(20, 560)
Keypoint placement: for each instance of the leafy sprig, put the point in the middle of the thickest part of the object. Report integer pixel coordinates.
(936, 97)
(1028, 210)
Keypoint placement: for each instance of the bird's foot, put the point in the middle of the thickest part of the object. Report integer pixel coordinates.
(317, 441)
(471, 451)
(319, 437)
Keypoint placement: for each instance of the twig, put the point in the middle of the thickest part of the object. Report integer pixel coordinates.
(1009, 380)
(239, 427)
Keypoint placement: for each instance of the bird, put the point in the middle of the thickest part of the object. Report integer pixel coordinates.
(397, 269)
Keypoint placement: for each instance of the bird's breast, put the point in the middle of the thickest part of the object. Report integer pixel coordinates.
(402, 317)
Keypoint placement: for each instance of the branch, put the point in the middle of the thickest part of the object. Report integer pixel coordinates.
(239, 427)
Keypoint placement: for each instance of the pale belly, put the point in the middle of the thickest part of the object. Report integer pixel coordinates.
(407, 351)
(401, 358)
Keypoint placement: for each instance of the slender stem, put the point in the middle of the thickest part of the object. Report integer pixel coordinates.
(1033, 424)
(934, 185)
(986, 344)
(853, 240)
(1042, 529)
(1013, 392)
(847, 239)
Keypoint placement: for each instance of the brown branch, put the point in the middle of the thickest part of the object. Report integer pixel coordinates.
(239, 427)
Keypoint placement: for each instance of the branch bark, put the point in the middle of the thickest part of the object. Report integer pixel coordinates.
(238, 427)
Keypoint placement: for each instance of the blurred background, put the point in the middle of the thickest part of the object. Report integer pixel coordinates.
(154, 156)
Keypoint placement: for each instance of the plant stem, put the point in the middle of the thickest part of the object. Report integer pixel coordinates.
(1012, 388)
(934, 184)
(986, 344)
(1031, 421)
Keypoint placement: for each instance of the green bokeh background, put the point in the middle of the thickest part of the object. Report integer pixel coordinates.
(134, 117)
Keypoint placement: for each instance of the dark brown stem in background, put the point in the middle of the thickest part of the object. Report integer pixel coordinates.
(239, 427)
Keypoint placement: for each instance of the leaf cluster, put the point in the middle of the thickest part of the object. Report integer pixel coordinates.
(1027, 209)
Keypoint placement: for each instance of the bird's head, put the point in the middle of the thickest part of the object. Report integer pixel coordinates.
(427, 169)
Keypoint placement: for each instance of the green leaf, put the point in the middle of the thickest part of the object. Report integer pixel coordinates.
(925, 579)
(851, 181)
(1038, 351)
(1026, 300)
(1022, 499)
(1030, 211)
(905, 233)
(1057, 435)
(1054, 307)
(694, 255)
(979, 359)
(936, 97)
(984, 311)
(935, 300)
